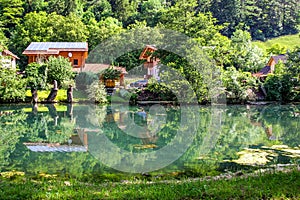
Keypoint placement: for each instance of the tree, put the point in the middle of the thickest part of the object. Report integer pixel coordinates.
(59, 69)
(276, 49)
(240, 86)
(99, 31)
(284, 84)
(97, 92)
(245, 56)
(183, 18)
(12, 86)
(67, 29)
(3, 39)
(11, 12)
(35, 5)
(33, 29)
(65, 7)
(99, 9)
(123, 9)
(36, 75)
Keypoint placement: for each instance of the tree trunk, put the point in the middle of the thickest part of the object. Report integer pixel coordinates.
(34, 95)
(70, 94)
(53, 92)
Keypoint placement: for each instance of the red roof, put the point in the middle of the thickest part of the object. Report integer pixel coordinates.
(97, 67)
(9, 53)
(148, 48)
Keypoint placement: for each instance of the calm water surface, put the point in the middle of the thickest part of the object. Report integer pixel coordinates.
(69, 139)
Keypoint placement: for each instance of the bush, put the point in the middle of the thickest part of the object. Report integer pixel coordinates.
(85, 79)
(36, 75)
(239, 85)
(97, 92)
(59, 69)
(12, 86)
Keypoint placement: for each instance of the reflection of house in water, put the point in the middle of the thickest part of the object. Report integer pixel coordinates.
(267, 128)
(136, 122)
(76, 143)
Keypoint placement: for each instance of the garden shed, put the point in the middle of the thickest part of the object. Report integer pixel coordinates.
(76, 52)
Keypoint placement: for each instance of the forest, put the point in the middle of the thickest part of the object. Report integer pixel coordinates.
(229, 26)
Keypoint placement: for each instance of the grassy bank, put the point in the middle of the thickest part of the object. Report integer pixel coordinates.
(268, 186)
(289, 41)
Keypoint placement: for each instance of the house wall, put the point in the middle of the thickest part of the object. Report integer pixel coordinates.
(8, 61)
(272, 64)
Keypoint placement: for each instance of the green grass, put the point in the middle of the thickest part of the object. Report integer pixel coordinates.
(61, 95)
(43, 94)
(289, 41)
(277, 185)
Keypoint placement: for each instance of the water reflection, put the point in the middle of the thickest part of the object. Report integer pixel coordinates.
(60, 138)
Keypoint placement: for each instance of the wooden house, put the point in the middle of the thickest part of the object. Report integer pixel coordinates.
(76, 52)
(270, 67)
(151, 62)
(8, 59)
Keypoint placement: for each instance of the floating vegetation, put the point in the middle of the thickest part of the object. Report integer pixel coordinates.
(255, 157)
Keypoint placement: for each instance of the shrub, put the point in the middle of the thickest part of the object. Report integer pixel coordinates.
(12, 86)
(97, 92)
(85, 79)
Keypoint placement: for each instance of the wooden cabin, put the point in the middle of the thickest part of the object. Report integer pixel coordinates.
(270, 67)
(8, 59)
(151, 63)
(76, 52)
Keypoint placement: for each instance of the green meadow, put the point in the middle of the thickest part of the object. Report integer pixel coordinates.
(287, 41)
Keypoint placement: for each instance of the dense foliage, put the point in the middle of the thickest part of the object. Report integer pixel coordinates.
(223, 29)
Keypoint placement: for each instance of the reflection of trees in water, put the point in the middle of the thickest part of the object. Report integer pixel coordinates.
(50, 126)
(240, 128)
(12, 128)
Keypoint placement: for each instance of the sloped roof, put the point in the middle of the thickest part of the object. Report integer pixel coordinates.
(97, 67)
(263, 72)
(277, 58)
(9, 53)
(148, 48)
(55, 47)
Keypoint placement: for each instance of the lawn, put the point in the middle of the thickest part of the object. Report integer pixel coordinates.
(289, 41)
(61, 95)
(276, 185)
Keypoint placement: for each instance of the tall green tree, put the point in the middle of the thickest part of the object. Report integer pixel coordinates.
(3, 39)
(59, 69)
(35, 5)
(99, 31)
(66, 7)
(67, 29)
(98, 9)
(123, 9)
(11, 12)
(33, 29)
(12, 86)
(245, 55)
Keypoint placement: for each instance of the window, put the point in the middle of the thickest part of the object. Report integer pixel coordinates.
(75, 62)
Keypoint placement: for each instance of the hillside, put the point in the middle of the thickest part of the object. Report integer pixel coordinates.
(288, 41)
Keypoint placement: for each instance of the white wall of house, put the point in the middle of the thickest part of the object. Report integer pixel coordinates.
(8, 61)
(154, 72)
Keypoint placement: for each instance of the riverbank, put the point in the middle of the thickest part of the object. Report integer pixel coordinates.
(275, 185)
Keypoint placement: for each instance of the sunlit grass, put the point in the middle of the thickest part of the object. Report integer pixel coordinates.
(288, 41)
(276, 185)
(43, 94)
